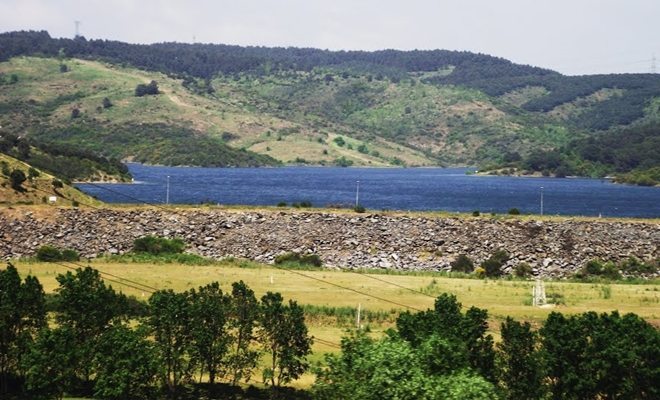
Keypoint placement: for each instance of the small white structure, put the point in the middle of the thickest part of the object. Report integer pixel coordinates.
(52, 199)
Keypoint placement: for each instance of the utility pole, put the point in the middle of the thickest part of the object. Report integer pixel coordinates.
(357, 320)
(167, 191)
(77, 23)
(357, 194)
(541, 200)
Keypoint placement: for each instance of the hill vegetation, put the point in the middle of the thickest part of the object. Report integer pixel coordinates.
(310, 106)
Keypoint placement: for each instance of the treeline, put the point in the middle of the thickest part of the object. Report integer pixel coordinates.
(207, 60)
(68, 162)
(100, 346)
(628, 152)
(445, 353)
(156, 143)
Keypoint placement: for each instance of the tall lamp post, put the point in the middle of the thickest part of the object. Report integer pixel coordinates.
(357, 194)
(167, 191)
(541, 200)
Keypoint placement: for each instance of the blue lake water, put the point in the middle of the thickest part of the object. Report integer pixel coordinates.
(448, 189)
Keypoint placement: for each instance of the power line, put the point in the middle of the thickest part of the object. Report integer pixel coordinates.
(392, 283)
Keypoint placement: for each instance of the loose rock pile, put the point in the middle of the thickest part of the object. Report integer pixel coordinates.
(556, 248)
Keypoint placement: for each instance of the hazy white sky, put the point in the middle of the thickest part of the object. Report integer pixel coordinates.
(570, 36)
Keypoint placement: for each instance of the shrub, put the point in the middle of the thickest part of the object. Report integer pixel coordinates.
(462, 263)
(75, 203)
(493, 265)
(16, 178)
(158, 245)
(476, 213)
(57, 184)
(596, 268)
(523, 270)
(70, 255)
(49, 253)
(281, 204)
(300, 259)
(514, 211)
(359, 209)
(480, 272)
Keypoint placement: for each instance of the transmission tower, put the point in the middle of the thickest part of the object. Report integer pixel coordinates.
(653, 64)
(77, 23)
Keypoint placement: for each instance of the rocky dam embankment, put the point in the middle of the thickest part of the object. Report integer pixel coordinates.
(343, 240)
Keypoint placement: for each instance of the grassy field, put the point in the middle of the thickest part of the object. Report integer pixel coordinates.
(332, 288)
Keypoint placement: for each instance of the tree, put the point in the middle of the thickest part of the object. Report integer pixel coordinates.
(16, 179)
(285, 337)
(51, 363)
(150, 89)
(244, 312)
(87, 307)
(107, 103)
(22, 315)
(23, 148)
(493, 265)
(126, 365)
(33, 173)
(520, 363)
(169, 322)
(209, 310)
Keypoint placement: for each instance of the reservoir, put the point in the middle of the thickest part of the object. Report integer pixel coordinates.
(420, 189)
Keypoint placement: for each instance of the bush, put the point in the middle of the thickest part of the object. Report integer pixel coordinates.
(16, 178)
(523, 270)
(49, 253)
(70, 255)
(493, 265)
(359, 209)
(462, 263)
(596, 268)
(514, 211)
(476, 213)
(281, 204)
(158, 245)
(57, 184)
(300, 259)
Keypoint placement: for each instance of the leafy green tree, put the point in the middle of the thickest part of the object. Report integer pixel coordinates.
(33, 173)
(285, 337)
(126, 365)
(244, 313)
(493, 265)
(87, 307)
(22, 315)
(391, 368)
(520, 363)
(51, 363)
(169, 321)
(209, 310)
(16, 179)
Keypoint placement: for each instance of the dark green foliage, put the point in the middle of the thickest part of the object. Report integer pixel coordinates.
(33, 173)
(312, 260)
(520, 363)
(359, 209)
(339, 141)
(126, 365)
(244, 312)
(75, 113)
(49, 253)
(57, 184)
(64, 68)
(158, 245)
(522, 270)
(285, 339)
(601, 356)
(5, 169)
(209, 312)
(447, 322)
(106, 103)
(462, 263)
(169, 322)
(157, 144)
(16, 179)
(22, 315)
(476, 213)
(514, 211)
(362, 148)
(596, 268)
(282, 204)
(343, 162)
(493, 265)
(147, 90)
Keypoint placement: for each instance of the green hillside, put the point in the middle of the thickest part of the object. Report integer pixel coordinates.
(38, 187)
(219, 105)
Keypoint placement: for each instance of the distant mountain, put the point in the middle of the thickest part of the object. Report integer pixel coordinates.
(314, 106)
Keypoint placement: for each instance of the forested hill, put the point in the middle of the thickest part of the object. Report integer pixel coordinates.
(260, 106)
(207, 60)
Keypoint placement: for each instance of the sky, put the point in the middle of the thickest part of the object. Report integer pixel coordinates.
(573, 37)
